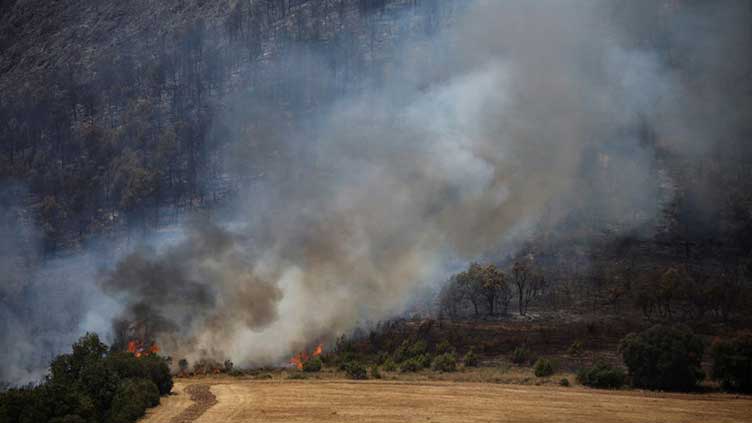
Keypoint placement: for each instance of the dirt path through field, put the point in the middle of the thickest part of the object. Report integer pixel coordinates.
(186, 404)
(392, 401)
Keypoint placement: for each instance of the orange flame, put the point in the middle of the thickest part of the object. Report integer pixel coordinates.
(136, 347)
(298, 359)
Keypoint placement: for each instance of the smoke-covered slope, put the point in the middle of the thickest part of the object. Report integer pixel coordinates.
(347, 154)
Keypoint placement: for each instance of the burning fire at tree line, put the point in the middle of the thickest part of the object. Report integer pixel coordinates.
(140, 348)
(298, 359)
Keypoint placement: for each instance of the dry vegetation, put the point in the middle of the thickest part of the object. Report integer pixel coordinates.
(336, 400)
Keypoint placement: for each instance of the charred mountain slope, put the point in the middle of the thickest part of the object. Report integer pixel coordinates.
(108, 108)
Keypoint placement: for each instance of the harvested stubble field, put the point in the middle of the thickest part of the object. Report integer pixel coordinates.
(328, 400)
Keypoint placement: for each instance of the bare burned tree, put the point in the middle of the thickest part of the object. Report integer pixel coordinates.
(529, 284)
(471, 283)
(495, 289)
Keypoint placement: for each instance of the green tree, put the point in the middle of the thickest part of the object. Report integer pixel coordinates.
(445, 363)
(732, 362)
(664, 357)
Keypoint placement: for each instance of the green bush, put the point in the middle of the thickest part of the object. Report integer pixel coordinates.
(355, 370)
(126, 365)
(375, 373)
(389, 365)
(446, 362)
(46, 403)
(132, 399)
(158, 372)
(382, 358)
(471, 359)
(444, 347)
(90, 384)
(564, 382)
(407, 351)
(520, 355)
(601, 375)
(344, 359)
(417, 349)
(543, 368)
(576, 348)
(411, 365)
(400, 354)
(732, 363)
(313, 365)
(664, 357)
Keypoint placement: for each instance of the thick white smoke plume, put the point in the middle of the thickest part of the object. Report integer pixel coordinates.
(516, 110)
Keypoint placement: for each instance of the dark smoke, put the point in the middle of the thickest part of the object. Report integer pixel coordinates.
(205, 281)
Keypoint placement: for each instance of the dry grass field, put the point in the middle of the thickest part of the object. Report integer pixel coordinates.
(331, 400)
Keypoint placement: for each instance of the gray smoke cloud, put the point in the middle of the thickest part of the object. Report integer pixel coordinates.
(516, 111)
(44, 304)
(531, 108)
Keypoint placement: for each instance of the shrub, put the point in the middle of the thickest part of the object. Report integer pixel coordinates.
(313, 365)
(91, 384)
(520, 355)
(576, 348)
(732, 363)
(236, 373)
(355, 370)
(159, 372)
(664, 357)
(444, 347)
(564, 382)
(543, 368)
(389, 365)
(46, 403)
(131, 400)
(126, 365)
(446, 362)
(400, 354)
(411, 365)
(471, 359)
(417, 349)
(424, 360)
(382, 358)
(407, 351)
(601, 375)
(375, 373)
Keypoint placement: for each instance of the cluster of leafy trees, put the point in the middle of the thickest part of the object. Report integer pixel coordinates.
(91, 384)
(602, 375)
(681, 292)
(666, 292)
(664, 357)
(669, 358)
(407, 356)
(732, 362)
(487, 290)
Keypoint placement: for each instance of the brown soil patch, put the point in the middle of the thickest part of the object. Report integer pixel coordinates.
(203, 399)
